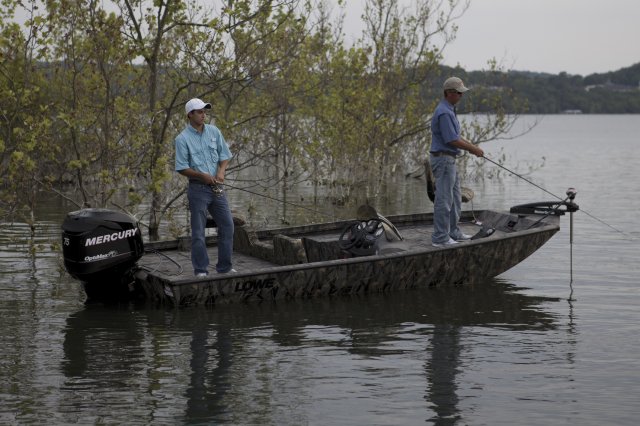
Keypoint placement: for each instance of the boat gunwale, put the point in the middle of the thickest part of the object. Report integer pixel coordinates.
(547, 224)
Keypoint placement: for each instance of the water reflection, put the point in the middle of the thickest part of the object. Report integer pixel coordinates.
(441, 372)
(247, 363)
(339, 361)
(210, 378)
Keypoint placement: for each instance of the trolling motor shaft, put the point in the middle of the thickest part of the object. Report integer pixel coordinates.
(571, 195)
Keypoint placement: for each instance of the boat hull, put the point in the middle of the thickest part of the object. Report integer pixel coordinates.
(420, 266)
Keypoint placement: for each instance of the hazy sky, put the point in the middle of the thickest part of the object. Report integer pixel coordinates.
(576, 36)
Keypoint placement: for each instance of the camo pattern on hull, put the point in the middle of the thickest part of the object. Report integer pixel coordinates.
(462, 264)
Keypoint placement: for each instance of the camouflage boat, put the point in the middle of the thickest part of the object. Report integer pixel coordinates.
(104, 250)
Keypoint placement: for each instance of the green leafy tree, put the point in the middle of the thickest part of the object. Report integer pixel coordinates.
(24, 125)
(190, 51)
(93, 101)
(93, 95)
(376, 107)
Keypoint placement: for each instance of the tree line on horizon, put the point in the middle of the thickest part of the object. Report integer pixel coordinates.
(92, 98)
(615, 92)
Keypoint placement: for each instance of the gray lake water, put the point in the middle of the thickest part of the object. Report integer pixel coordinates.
(543, 343)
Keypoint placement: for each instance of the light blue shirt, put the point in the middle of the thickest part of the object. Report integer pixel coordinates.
(201, 151)
(445, 128)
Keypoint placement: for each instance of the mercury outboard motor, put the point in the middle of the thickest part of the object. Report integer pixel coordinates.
(100, 248)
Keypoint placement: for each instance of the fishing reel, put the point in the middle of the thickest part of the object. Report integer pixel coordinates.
(217, 189)
(360, 238)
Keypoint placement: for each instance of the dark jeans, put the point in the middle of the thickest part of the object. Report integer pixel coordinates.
(202, 198)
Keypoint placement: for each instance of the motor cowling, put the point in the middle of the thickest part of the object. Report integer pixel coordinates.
(99, 244)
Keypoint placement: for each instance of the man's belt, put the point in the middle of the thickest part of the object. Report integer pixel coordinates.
(440, 153)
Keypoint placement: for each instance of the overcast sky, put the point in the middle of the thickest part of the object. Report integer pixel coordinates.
(575, 36)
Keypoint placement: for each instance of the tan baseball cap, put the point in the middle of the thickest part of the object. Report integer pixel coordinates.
(454, 83)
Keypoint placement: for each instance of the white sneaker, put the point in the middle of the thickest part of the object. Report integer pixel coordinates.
(201, 274)
(445, 244)
(463, 237)
(230, 271)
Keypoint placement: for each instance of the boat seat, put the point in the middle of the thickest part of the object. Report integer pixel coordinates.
(238, 220)
(318, 250)
(282, 250)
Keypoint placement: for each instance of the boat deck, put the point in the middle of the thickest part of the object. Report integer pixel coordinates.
(175, 264)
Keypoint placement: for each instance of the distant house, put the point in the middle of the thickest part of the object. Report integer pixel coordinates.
(613, 87)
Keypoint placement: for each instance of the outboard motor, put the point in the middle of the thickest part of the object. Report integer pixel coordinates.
(100, 248)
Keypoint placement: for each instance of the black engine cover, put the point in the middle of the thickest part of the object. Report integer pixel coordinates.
(98, 244)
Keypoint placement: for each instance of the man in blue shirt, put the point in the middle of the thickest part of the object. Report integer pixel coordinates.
(446, 143)
(202, 155)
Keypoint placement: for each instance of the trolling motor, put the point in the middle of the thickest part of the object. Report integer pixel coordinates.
(550, 208)
(571, 194)
(571, 207)
(555, 208)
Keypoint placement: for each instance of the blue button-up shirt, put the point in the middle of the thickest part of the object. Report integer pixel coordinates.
(445, 128)
(201, 151)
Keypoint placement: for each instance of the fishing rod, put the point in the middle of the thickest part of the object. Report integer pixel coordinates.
(363, 211)
(333, 217)
(571, 194)
(550, 193)
(521, 177)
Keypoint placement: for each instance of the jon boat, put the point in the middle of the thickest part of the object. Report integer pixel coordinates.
(371, 253)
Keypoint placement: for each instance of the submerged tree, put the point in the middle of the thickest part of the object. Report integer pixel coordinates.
(189, 50)
(24, 124)
(93, 103)
(93, 95)
(373, 114)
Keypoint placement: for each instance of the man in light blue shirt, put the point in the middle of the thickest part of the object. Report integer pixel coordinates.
(202, 155)
(446, 143)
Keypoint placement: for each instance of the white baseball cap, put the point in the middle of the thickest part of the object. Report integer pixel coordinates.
(195, 104)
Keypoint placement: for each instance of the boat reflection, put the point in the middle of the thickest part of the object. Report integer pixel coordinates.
(204, 361)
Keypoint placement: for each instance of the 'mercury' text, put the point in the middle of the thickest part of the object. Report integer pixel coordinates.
(110, 237)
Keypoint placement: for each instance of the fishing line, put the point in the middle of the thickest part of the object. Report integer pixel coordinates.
(571, 193)
(553, 211)
(157, 252)
(282, 201)
(522, 177)
(559, 198)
